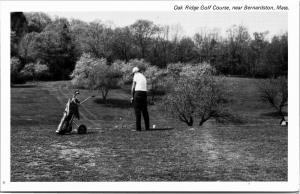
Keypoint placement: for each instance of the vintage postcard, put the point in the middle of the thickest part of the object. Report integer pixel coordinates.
(145, 96)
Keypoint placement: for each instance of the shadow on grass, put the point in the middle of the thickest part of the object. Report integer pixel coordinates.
(23, 86)
(75, 133)
(114, 103)
(273, 114)
(161, 129)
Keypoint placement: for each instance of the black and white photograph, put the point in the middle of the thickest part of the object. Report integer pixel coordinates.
(150, 96)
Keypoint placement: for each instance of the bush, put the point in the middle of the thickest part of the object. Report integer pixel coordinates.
(156, 80)
(196, 94)
(15, 68)
(35, 71)
(126, 68)
(174, 69)
(140, 63)
(95, 74)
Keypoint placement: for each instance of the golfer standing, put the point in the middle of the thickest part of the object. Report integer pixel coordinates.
(139, 98)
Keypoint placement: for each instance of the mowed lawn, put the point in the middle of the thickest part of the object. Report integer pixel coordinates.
(253, 151)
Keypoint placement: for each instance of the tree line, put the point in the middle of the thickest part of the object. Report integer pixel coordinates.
(58, 43)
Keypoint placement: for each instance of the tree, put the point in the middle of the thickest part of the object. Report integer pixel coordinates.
(18, 27)
(275, 92)
(26, 47)
(34, 71)
(143, 31)
(54, 46)
(276, 57)
(186, 50)
(155, 77)
(37, 21)
(15, 68)
(238, 45)
(95, 74)
(97, 40)
(257, 53)
(123, 44)
(197, 95)
(160, 52)
(206, 43)
(78, 30)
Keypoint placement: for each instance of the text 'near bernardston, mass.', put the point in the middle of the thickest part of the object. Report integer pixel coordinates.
(228, 8)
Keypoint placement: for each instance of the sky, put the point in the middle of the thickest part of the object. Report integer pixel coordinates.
(191, 22)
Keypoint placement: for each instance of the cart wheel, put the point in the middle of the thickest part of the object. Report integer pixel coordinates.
(81, 129)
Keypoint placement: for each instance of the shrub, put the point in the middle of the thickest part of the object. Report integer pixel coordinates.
(174, 69)
(140, 63)
(126, 68)
(15, 68)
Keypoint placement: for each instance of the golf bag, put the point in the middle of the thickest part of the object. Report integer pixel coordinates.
(71, 112)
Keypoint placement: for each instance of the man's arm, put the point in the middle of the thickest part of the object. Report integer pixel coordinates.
(133, 88)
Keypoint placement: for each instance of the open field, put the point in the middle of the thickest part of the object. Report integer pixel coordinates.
(253, 151)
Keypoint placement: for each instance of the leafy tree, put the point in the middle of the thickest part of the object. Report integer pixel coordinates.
(78, 30)
(276, 57)
(54, 46)
(15, 68)
(186, 50)
(27, 49)
(37, 21)
(18, 27)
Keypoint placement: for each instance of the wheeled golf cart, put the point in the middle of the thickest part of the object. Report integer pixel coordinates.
(71, 112)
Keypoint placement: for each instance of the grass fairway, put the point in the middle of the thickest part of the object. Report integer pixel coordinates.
(111, 151)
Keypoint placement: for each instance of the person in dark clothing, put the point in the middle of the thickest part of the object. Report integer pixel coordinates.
(139, 98)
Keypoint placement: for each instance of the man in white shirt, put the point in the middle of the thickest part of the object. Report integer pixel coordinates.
(139, 98)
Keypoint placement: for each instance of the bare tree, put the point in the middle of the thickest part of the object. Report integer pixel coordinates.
(275, 92)
(143, 31)
(123, 43)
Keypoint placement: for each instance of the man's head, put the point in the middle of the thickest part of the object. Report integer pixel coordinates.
(135, 69)
(76, 93)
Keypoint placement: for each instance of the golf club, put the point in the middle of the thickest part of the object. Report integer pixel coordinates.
(87, 99)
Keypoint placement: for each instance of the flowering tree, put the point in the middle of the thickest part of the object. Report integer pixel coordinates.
(196, 94)
(95, 74)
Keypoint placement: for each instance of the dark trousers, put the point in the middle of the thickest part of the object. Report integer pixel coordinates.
(140, 107)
